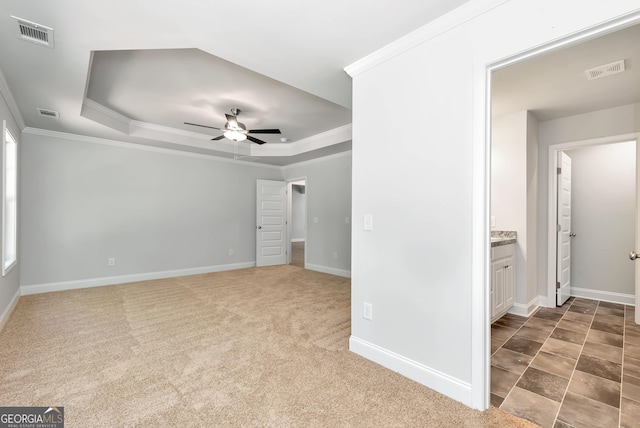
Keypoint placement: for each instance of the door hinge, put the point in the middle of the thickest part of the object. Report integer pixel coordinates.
(559, 171)
(557, 285)
(558, 228)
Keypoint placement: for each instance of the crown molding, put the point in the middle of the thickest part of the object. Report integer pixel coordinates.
(11, 102)
(136, 146)
(429, 31)
(318, 160)
(314, 142)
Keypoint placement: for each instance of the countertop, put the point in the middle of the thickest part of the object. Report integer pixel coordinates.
(503, 237)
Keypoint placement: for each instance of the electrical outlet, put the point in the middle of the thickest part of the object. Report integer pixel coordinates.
(111, 262)
(316, 220)
(335, 255)
(367, 311)
(346, 220)
(231, 251)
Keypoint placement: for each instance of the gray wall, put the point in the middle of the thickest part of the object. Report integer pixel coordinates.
(328, 190)
(9, 284)
(83, 203)
(603, 198)
(298, 213)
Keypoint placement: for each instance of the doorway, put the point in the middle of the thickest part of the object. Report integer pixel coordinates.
(543, 284)
(605, 223)
(297, 222)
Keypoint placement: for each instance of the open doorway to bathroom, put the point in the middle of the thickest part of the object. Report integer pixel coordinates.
(548, 363)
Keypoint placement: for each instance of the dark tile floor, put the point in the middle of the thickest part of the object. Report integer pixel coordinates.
(573, 366)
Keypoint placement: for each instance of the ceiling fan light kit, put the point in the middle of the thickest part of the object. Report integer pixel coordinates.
(235, 136)
(236, 131)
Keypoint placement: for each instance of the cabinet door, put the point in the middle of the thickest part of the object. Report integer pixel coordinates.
(509, 282)
(497, 281)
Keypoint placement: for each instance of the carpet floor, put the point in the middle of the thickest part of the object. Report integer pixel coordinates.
(252, 347)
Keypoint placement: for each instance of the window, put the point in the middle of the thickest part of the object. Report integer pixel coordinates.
(9, 201)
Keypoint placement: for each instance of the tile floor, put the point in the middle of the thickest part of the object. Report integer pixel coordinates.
(573, 366)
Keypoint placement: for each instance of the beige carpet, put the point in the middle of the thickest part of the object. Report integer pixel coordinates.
(253, 347)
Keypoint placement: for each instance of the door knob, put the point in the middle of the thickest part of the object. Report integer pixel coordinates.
(259, 227)
(633, 255)
(572, 235)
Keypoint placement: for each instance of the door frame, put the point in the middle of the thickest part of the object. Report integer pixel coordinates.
(553, 205)
(289, 199)
(481, 203)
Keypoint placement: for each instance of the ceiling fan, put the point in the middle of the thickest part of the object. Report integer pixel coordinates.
(236, 131)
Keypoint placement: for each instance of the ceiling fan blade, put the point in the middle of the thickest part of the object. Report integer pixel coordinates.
(265, 131)
(218, 138)
(204, 126)
(255, 140)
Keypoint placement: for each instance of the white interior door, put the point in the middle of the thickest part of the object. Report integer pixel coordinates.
(270, 223)
(563, 252)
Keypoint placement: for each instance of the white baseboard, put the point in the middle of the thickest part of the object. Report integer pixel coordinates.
(605, 296)
(329, 270)
(122, 279)
(7, 312)
(441, 382)
(525, 310)
(297, 239)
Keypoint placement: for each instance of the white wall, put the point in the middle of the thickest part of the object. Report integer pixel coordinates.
(10, 283)
(298, 214)
(509, 188)
(328, 193)
(514, 187)
(423, 266)
(611, 122)
(603, 198)
(83, 203)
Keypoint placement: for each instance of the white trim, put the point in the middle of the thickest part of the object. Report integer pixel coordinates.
(297, 239)
(6, 268)
(605, 296)
(316, 160)
(553, 203)
(105, 116)
(122, 279)
(480, 246)
(11, 102)
(4, 317)
(446, 22)
(525, 310)
(327, 269)
(434, 379)
(134, 146)
(328, 138)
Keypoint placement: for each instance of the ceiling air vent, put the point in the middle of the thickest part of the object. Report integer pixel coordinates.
(34, 33)
(48, 113)
(605, 70)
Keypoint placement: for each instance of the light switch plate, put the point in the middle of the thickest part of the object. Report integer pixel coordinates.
(368, 222)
